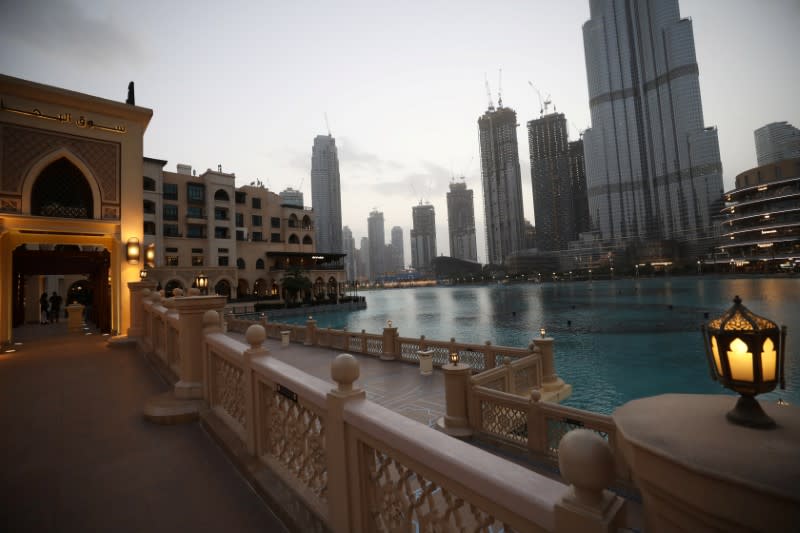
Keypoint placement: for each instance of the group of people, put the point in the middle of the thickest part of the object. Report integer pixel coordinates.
(50, 308)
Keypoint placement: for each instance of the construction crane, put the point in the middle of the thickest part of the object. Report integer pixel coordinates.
(541, 107)
(500, 88)
(488, 93)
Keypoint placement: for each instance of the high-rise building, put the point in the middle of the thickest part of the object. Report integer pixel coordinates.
(398, 250)
(461, 222)
(292, 197)
(556, 172)
(326, 196)
(502, 185)
(349, 246)
(377, 244)
(776, 142)
(423, 236)
(362, 260)
(653, 169)
(577, 178)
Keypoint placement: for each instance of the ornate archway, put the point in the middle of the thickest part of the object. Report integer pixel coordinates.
(61, 190)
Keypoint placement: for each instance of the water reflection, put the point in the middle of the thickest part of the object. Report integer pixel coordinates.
(615, 340)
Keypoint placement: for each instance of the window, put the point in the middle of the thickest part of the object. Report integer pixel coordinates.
(149, 228)
(240, 235)
(256, 203)
(149, 184)
(221, 233)
(241, 197)
(275, 237)
(171, 230)
(258, 236)
(260, 264)
(149, 207)
(220, 213)
(240, 263)
(275, 222)
(170, 212)
(197, 250)
(293, 239)
(194, 212)
(195, 231)
(170, 191)
(239, 220)
(222, 261)
(195, 193)
(171, 260)
(221, 196)
(307, 240)
(256, 220)
(172, 250)
(197, 260)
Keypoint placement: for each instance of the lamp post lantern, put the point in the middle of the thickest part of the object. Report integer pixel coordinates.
(745, 353)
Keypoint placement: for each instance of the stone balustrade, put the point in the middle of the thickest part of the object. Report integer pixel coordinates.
(353, 464)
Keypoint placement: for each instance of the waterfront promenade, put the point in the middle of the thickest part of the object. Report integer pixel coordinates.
(77, 455)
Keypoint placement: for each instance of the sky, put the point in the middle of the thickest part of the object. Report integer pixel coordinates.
(248, 85)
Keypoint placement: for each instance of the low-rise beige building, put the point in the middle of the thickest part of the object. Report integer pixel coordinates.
(243, 239)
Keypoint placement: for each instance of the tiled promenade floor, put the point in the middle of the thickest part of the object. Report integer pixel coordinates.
(395, 385)
(76, 454)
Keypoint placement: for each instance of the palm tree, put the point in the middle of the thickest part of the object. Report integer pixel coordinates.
(295, 281)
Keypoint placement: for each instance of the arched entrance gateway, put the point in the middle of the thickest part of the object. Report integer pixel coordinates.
(70, 200)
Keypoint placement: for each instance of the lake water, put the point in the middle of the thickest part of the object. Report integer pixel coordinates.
(614, 340)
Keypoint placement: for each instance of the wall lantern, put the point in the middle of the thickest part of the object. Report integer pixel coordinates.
(454, 358)
(745, 353)
(202, 283)
(143, 274)
(133, 251)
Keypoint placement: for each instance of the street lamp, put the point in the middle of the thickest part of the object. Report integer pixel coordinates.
(454, 358)
(202, 283)
(745, 353)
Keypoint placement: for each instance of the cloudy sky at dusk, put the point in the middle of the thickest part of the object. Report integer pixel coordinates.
(247, 84)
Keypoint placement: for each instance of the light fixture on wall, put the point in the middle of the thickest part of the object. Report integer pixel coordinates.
(745, 353)
(150, 256)
(202, 283)
(133, 251)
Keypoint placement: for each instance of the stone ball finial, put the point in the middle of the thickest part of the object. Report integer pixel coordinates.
(344, 371)
(536, 395)
(177, 292)
(210, 318)
(161, 293)
(193, 291)
(255, 336)
(586, 462)
(145, 293)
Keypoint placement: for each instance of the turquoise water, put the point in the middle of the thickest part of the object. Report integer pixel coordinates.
(625, 339)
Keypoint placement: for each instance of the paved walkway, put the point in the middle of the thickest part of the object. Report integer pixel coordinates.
(76, 454)
(392, 384)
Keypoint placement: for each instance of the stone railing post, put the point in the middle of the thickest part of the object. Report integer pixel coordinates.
(311, 332)
(489, 359)
(255, 337)
(344, 502)
(456, 388)
(511, 384)
(553, 387)
(389, 351)
(137, 289)
(190, 323)
(586, 463)
(537, 427)
(422, 344)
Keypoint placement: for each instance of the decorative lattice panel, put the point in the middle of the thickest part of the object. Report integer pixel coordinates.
(504, 421)
(408, 351)
(400, 499)
(374, 346)
(296, 438)
(524, 378)
(355, 344)
(229, 388)
(473, 359)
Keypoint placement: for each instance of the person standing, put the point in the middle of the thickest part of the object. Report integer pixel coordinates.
(55, 306)
(43, 308)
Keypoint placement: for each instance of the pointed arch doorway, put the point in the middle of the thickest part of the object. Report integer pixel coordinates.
(94, 265)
